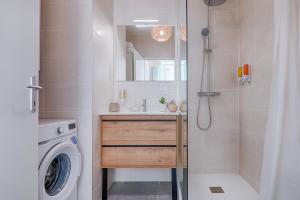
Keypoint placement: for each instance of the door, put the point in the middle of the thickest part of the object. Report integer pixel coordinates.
(19, 60)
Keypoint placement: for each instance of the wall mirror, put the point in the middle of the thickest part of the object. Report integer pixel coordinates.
(146, 53)
(150, 41)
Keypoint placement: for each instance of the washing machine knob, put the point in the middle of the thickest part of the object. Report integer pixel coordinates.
(60, 130)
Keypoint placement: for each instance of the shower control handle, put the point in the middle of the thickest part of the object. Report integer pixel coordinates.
(60, 130)
(206, 94)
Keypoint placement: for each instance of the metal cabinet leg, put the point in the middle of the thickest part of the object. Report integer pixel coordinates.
(104, 183)
(174, 184)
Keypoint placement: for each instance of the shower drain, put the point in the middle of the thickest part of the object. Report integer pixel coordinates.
(216, 189)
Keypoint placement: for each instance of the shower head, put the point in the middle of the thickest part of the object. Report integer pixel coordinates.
(214, 2)
(205, 32)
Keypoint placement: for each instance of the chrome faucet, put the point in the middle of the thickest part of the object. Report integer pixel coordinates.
(144, 105)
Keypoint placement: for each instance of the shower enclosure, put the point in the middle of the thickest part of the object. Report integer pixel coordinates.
(228, 116)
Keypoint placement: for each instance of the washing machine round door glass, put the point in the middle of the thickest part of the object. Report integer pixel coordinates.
(59, 172)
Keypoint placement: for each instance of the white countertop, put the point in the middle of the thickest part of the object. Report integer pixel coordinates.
(141, 113)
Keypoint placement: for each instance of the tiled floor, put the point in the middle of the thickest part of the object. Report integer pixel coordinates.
(234, 186)
(140, 191)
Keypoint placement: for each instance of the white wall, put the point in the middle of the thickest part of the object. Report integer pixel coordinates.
(66, 73)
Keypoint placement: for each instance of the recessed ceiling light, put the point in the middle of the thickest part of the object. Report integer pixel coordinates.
(145, 20)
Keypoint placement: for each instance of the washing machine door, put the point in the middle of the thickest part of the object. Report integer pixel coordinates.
(59, 172)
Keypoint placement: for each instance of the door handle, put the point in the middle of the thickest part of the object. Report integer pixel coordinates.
(37, 87)
(34, 88)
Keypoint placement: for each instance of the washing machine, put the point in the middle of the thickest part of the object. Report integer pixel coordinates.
(59, 160)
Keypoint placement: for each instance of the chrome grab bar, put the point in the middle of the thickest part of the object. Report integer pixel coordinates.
(206, 94)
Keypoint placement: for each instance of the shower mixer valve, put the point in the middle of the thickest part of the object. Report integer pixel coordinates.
(206, 94)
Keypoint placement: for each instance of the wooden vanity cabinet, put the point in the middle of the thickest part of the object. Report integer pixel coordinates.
(138, 141)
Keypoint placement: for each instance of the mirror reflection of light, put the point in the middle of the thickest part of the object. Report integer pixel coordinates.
(144, 25)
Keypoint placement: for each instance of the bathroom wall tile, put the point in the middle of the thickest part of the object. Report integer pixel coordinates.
(265, 43)
(262, 72)
(264, 16)
(256, 48)
(222, 159)
(42, 44)
(231, 5)
(255, 97)
(63, 15)
(228, 99)
(65, 44)
(223, 69)
(226, 20)
(68, 70)
(67, 98)
(247, 9)
(253, 120)
(223, 119)
(247, 146)
(222, 139)
(225, 40)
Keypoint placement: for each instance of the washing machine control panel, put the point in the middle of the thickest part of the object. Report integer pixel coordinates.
(60, 130)
(65, 129)
(50, 129)
(72, 126)
(74, 140)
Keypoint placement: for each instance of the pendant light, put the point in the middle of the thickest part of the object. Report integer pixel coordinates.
(161, 33)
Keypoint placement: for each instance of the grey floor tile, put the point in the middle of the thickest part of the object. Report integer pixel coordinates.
(165, 188)
(115, 188)
(112, 197)
(140, 191)
(139, 188)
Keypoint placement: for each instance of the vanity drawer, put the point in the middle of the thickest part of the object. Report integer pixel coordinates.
(138, 157)
(138, 132)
